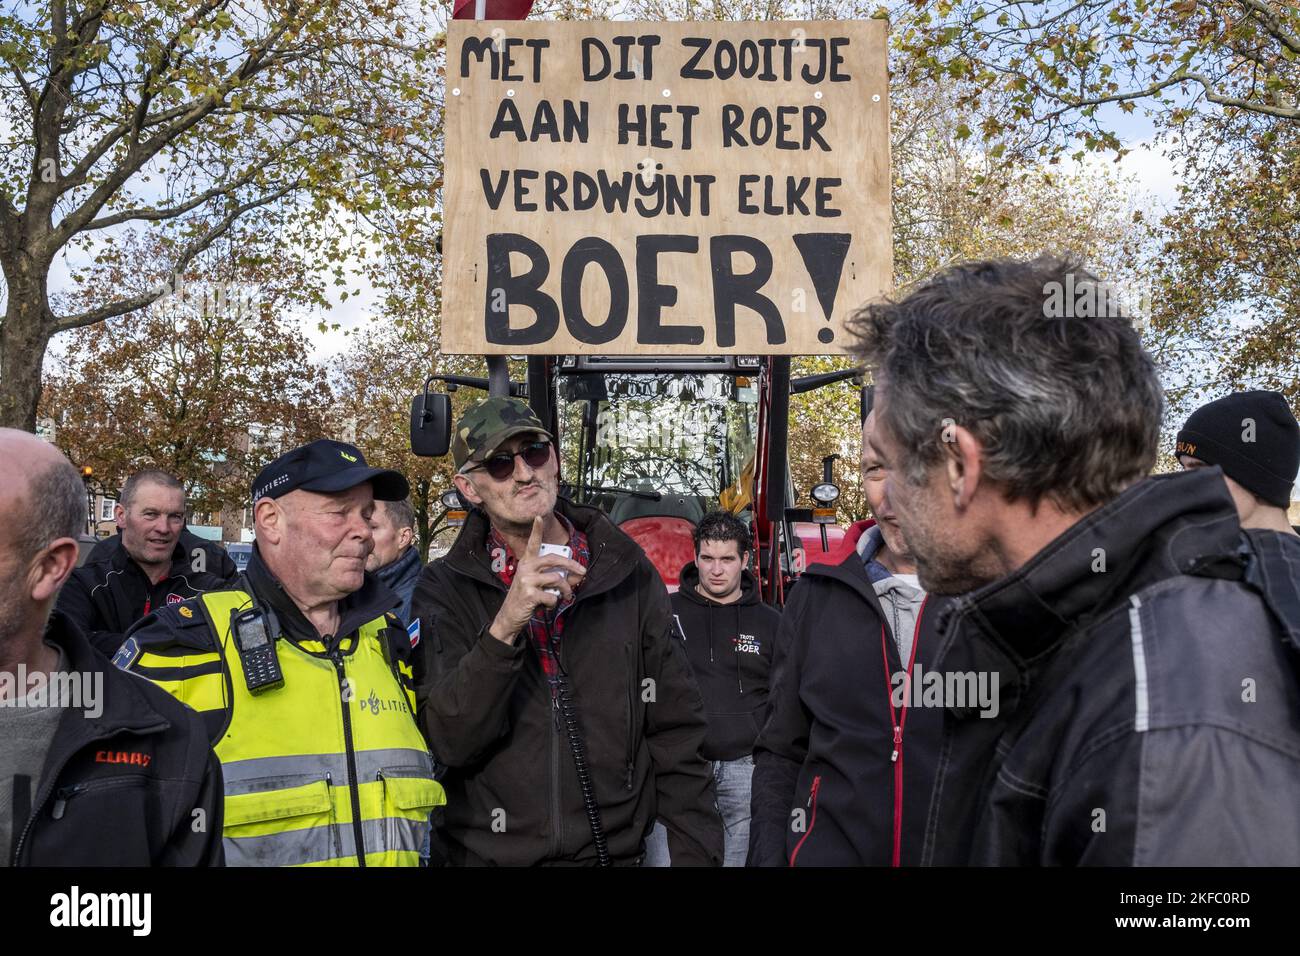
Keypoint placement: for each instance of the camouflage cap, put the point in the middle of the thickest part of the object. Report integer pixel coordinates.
(485, 425)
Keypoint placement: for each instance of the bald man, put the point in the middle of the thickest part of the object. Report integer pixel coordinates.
(97, 767)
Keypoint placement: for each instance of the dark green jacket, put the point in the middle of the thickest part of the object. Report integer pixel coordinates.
(513, 796)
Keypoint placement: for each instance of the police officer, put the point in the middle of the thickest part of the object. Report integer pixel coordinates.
(302, 674)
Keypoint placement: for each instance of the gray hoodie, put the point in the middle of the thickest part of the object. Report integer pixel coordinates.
(900, 596)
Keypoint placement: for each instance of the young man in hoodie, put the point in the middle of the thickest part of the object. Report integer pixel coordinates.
(729, 633)
(843, 768)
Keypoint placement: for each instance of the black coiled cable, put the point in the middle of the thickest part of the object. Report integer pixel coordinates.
(579, 750)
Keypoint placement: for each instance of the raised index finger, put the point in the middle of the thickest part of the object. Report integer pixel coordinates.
(535, 539)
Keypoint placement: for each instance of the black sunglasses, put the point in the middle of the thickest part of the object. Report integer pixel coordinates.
(502, 465)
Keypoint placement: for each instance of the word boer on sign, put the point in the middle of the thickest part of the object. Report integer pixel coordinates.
(733, 288)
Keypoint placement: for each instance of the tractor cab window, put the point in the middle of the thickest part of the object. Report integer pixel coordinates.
(641, 445)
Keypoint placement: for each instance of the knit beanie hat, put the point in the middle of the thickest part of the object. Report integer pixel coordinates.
(1253, 437)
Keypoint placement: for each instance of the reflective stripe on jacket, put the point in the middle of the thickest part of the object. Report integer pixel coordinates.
(327, 770)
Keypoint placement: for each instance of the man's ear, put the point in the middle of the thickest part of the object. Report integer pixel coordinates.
(268, 520)
(51, 568)
(119, 516)
(466, 489)
(405, 538)
(963, 465)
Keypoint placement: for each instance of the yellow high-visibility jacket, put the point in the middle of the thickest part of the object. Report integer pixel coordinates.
(328, 770)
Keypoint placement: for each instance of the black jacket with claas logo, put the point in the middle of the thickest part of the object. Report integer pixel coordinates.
(136, 785)
(730, 650)
(110, 592)
(513, 793)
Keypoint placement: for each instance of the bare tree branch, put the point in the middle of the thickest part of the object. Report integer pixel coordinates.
(130, 304)
(153, 214)
(1266, 17)
(140, 154)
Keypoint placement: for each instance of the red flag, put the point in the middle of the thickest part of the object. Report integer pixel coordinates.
(496, 9)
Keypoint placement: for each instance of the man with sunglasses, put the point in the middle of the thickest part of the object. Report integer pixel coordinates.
(552, 687)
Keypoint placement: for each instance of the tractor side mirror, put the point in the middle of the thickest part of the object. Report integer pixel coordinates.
(431, 424)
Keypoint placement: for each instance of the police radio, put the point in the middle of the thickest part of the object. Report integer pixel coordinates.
(256, 631)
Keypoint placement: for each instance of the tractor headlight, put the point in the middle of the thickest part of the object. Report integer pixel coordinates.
(825, 493)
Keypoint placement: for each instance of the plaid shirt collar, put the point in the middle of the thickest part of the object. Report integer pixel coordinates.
(546, 625)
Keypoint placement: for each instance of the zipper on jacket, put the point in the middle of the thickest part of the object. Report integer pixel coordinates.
(64, 794)
(54, 776)
(896, 758)
(812, 817)
(631, 718)
(61, 798)
(557, 727)
(555, 777)
(337, 657)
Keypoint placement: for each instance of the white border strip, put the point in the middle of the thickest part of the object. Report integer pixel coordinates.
(1142, 716)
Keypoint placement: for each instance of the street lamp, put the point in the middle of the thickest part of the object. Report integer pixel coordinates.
(87, 475)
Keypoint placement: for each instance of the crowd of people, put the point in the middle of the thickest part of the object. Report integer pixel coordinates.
(1036, 652)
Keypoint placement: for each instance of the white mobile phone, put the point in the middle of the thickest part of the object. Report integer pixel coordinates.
(564, 551)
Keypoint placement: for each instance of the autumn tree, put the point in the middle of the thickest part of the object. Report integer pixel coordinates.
(208, 382)
(1228, 292)
(1059, 64)
(190, 118)
(1221, 82)
(386, 363)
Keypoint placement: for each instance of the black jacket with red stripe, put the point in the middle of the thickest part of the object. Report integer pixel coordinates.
(110, 592)
(825, 789)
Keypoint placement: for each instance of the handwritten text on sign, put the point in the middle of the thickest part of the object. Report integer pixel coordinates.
(624, 188)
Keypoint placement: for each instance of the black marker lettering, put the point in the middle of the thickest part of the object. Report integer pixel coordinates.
(701, 46)
(594, 251)
(522, 290)
(652, 297)
(731, 290)
(521, 190)
(492, 193)
(556, 184)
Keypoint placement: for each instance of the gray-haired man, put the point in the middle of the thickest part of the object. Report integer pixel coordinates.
(1148, 706)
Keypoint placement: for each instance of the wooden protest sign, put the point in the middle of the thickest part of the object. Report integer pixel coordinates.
(682, 188)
